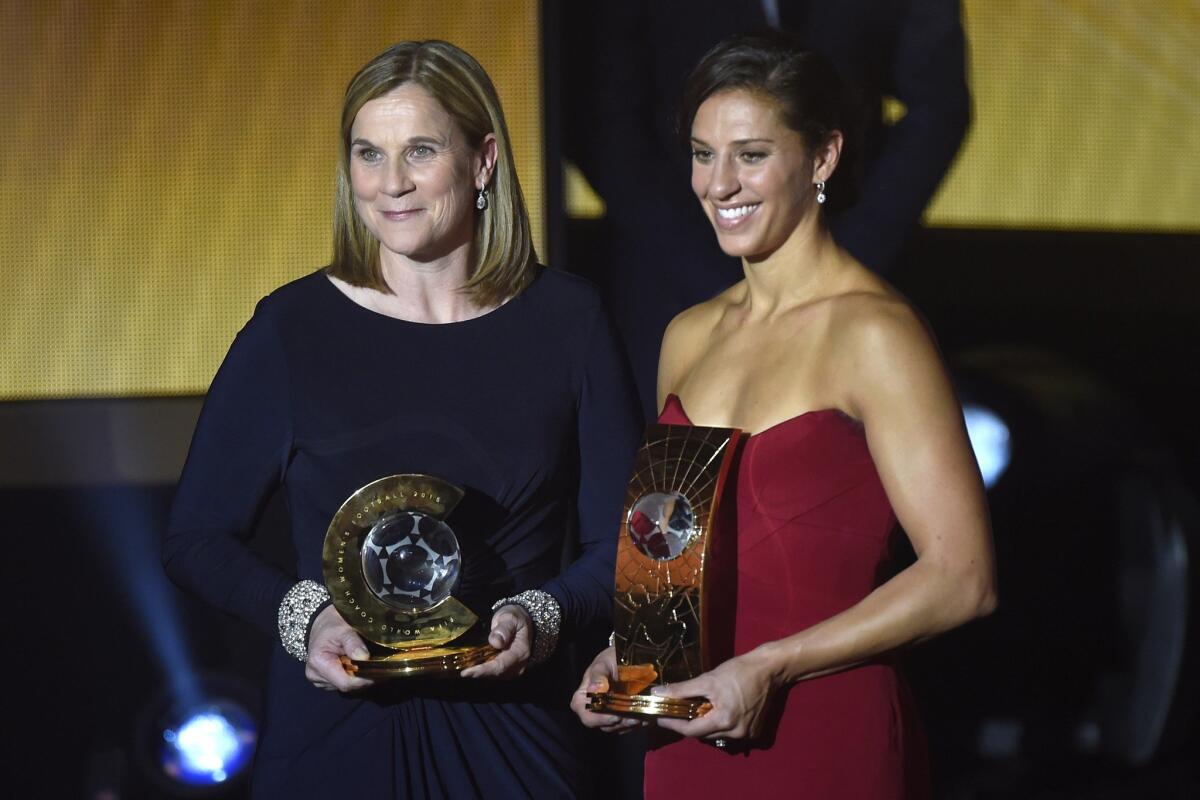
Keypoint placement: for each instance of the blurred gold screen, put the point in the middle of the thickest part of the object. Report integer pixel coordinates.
(165, 164)
(1087, 117)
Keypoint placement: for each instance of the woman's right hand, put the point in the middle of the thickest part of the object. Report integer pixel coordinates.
(329, 640)
(596, 679)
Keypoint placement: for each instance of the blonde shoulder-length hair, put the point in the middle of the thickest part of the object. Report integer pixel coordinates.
(505, 260)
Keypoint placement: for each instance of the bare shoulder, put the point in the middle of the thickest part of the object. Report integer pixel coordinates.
(869, 325)
(710, 311)
(687, 337)
(691, 327)
(885, 355)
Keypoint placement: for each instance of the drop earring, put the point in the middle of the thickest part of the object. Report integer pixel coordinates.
(481, 199)
(821, 198)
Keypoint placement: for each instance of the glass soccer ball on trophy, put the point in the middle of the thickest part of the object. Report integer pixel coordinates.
(410, 560)
(673, 565)
(391, 565)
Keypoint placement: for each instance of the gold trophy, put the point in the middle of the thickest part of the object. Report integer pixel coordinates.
(391, 563)
(673, 601)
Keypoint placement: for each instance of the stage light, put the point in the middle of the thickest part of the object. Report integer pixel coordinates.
(990, 440)
(204, 749)
(209, 745)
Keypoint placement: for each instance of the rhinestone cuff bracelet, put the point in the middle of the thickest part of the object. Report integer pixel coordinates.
(543, 609)
(301, 603)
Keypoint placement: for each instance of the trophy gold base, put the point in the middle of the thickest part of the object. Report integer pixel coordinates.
(420, 661)
(648, 706)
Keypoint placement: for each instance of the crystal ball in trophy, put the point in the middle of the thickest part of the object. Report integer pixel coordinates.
(662, 525)
(410, 560)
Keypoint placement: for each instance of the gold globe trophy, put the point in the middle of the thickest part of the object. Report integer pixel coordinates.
(390, 564)
(673, 600)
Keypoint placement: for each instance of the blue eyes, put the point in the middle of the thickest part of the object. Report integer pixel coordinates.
(421, 152)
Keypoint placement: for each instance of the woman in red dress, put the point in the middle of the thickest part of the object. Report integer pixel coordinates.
(855, 427)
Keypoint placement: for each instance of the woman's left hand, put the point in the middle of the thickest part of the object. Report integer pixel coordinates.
(739, 690)
(512, 635)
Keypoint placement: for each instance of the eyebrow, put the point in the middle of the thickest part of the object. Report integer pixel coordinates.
(413, 140)
(737, 141)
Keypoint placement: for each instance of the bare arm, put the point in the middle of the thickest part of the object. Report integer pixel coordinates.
(919, 443)
(899, 389)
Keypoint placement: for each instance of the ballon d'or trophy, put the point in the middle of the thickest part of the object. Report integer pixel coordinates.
(391, 563)
(673, 596)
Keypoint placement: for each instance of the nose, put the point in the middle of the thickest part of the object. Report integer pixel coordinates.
(723, 180)
(397, 181)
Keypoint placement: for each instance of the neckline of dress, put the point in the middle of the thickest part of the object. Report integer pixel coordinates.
(458, 324)
(816, 412)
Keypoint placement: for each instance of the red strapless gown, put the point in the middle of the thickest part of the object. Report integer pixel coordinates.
(813, 527)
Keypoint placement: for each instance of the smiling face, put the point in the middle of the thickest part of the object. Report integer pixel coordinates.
(752, 173)
(414, 176)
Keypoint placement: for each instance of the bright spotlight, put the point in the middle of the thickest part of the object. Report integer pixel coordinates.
(990, 441)
(209, 745)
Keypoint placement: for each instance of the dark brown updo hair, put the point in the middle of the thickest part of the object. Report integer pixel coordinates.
(811, 96)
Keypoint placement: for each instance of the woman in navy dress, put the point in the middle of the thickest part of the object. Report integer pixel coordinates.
(432, 343)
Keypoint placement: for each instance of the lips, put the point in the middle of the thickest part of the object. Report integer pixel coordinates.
(401, 214)
(734, 216)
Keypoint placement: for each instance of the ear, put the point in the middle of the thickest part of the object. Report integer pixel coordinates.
(485, 161)
(826, 157)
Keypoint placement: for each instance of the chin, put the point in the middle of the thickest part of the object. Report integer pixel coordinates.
(407, 247)
(738, 247)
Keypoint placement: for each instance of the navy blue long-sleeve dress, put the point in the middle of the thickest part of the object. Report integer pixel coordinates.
(529, 408)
